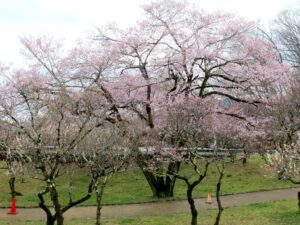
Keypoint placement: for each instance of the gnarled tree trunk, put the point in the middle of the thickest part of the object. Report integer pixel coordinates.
(190, 188)
(59, 210)
(160, 186)
(191, 201)
(12, 181)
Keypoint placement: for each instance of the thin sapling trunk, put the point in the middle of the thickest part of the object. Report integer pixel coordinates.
(218, 190)
(99, 194)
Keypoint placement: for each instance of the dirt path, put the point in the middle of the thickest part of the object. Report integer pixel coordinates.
(156, 208)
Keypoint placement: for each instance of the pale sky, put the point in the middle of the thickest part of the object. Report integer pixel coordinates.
(71, 19)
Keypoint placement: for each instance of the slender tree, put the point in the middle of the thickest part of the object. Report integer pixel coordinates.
(107, 154)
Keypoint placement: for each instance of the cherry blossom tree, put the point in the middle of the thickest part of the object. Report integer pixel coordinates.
(178, 51)
(190, 127)
(53, 109)
(194, 126)
(167, 80)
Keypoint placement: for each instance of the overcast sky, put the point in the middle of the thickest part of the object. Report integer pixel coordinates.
(71, 19)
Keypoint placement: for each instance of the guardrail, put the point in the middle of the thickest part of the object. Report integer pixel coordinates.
(204, 152)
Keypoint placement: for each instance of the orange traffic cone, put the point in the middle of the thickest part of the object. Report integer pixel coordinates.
(13, 209)
(209, 201)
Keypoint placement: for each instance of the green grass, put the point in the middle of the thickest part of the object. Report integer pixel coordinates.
(278, 213)
(281, 213)
(131, 186)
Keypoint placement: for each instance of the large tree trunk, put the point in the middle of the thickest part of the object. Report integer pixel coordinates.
(160, 186)
(170, 180)
(191, 201)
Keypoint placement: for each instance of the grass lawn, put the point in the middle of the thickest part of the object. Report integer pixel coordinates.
(131, 186)
(278, 213)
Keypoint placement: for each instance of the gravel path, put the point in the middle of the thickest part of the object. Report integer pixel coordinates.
(156, 208)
